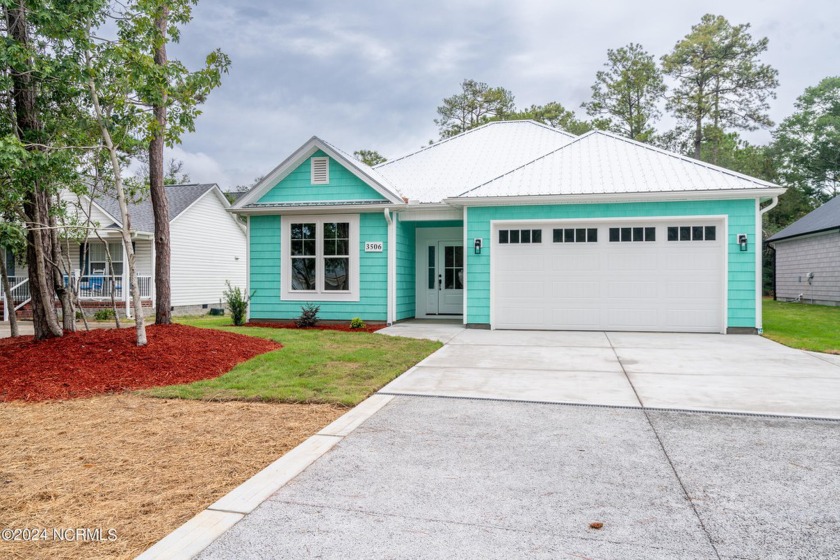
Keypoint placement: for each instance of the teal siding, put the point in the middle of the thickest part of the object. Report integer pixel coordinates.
(297, 186)
(406, 269)
(741, 213)
(267, 266)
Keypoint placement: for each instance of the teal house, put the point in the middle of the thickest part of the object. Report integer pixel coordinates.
(512, 225)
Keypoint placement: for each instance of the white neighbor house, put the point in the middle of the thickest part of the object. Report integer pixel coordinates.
(208, 249)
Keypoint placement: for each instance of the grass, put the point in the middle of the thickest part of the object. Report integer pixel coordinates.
(801, 325)
(314, 366)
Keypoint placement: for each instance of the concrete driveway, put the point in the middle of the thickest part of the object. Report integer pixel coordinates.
(555, 450)
(735, 373)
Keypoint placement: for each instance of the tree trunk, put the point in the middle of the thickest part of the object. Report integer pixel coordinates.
(10, 302)
(68, 310)
(37, 203)
(160, 205)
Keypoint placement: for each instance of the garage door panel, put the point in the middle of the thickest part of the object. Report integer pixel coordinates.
(656, 285)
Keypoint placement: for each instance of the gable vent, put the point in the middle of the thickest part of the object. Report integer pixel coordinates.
(320, 171)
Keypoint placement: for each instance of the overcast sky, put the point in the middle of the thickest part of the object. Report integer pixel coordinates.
(367, 74)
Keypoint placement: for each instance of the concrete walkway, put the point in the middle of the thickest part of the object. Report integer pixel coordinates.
(736, 373)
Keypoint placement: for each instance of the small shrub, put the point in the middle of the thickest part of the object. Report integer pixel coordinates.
(308, 315)
(237, 302)
(103, 315)
(357, 323)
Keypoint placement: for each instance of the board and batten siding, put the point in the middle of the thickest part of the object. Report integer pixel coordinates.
(208, 248)
(267, 265)
(795, 258)
(297, 186)
(741, 311)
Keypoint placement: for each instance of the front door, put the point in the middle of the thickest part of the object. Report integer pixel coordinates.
(445, 278)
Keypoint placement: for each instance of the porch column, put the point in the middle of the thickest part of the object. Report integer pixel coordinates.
(125, 285)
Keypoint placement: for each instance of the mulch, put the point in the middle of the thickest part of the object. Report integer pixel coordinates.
(83, 364)
(344, 327)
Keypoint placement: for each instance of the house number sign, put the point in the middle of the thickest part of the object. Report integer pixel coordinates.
(373, 246)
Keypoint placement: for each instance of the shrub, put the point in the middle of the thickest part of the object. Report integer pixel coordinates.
(308, 315)
(103, 315)
(357, 323)
(237, 302)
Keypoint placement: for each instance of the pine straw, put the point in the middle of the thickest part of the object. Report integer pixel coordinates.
(138, 465)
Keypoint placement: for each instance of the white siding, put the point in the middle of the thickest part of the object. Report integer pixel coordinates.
(83, 207)
(143, 255)
(208, 248)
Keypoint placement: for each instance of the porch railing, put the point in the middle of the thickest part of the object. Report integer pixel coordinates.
(20, 288)
(102, 287)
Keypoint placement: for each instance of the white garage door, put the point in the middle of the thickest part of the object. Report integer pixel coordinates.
(625, 276)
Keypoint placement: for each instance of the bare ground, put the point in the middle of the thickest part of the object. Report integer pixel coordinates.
(135, 465)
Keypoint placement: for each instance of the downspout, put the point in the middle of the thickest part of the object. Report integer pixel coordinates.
(773, 203)
(763, 211)
(759, 264)
(392, 268)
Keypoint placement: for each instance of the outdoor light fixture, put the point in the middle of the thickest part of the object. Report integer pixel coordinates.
(742, 241)
(477, 245)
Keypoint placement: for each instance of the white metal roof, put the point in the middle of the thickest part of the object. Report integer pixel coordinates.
(603, 163)
(465, 161)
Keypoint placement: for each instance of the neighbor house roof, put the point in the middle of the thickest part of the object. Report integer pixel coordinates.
(602, 163)
(824, 218)
(472, 158)
(180, 197)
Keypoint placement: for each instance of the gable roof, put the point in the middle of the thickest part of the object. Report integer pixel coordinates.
(599, 163)
(826, 217)
(180, 197)
(449, 167)
(367, 174)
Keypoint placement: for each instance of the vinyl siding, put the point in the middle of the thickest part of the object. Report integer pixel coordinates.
(267, 265)
(208, 248)
(406, 269)
(795, 258)
(142, 255)
(741, 310)
(298, 187)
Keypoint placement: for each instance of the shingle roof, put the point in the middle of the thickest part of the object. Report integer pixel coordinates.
(826, 217)
(602, 163)
(142, 217)
(451, 166)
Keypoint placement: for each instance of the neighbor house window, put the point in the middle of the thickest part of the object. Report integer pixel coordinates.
(322, 258)
(95, 261)
(320, 170)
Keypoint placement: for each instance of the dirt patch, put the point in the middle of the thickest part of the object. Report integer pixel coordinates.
(137, 465)
(343, 327)
(83, 364)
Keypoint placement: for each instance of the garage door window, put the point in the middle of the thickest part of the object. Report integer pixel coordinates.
(509, 236)
(631, 234)
(692, 233)
(575, 235)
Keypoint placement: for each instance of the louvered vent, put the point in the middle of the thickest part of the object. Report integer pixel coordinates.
(320, 170)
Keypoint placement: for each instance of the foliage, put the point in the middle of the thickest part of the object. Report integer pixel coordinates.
(477, 104)
(553, 114)
(357, 323)
(237, 303)
(174, 173)
(720, 80)
(103, 315)
(313, 366)
(370, 157)
(808, 142)
(626, 94)
(308, 315)
(801, 325)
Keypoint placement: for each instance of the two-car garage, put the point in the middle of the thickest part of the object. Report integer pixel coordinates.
(640, 275)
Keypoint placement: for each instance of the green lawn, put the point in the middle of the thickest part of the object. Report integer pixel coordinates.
(801, 325)
(313, 366)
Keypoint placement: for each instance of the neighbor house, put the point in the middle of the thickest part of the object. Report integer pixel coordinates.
(808, 257)
(512, 225)
(207, 249)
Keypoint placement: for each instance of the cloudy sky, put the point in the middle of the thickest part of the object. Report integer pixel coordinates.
(369, 74)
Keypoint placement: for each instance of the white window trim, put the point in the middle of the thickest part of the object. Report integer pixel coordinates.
(312, 162)
(286, 292)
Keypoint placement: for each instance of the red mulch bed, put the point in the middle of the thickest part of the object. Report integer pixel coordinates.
(106, 360)
(344, 327)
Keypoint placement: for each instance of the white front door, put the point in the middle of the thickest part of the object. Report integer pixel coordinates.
(444, 278)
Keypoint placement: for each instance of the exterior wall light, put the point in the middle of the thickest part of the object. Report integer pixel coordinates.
(742, 241)
(477, 245)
